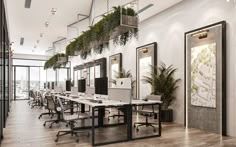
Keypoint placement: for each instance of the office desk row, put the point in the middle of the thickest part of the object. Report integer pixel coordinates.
(84, 100)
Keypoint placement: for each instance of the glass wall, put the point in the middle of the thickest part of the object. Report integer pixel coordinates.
(21, 82)
(34, 78)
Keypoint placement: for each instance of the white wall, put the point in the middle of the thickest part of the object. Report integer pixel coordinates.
(167, 29)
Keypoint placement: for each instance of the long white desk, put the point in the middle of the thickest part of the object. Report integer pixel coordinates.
(111, 103)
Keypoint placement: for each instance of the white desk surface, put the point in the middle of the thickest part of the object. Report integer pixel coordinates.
(86, 100)
(141, 102)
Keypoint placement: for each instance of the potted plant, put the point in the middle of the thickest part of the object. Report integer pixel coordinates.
(56, 61)
(163, 82)
(109, 27)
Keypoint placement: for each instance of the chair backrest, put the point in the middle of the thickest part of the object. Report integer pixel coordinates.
(51, 105)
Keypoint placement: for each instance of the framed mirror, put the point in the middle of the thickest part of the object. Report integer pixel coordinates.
(146, 56)
(205, 78)
(115, 66)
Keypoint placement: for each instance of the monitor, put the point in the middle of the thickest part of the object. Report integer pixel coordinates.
(68, 85)
(81, 85)
(101, 86)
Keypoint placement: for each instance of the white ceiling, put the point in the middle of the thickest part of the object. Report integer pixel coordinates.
(29, 23)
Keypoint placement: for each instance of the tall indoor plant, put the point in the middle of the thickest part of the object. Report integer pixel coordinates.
(163, 82)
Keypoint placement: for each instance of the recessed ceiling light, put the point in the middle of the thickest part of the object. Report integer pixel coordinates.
(41, 34)
(46, 24)
(22, 41)
(35, 46)
(37, 41)
(54, 10)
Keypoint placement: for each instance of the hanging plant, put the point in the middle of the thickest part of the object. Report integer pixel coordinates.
(56, 61)
(109, 27)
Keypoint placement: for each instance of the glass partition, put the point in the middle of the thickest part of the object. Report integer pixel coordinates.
(21, 82)
(34, 78)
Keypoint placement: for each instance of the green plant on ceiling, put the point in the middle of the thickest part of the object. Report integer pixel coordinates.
(98, 35)
(163, 82)
(56, 61)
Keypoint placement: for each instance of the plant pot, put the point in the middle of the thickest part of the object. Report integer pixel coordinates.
(167, 115)
(128, 23)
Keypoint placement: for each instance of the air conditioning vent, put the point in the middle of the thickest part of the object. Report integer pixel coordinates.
(145, 8)
(27, 3)
(22, 41)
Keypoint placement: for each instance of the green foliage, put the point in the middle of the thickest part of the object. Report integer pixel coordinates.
(98, 35)
(53, 61)
(162, 81)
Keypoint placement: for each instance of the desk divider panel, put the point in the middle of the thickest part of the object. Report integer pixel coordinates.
(90, 91)
(120, 94)
(74, 90)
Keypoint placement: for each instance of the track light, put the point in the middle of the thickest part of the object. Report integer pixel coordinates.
(53, 11)
(46, 24)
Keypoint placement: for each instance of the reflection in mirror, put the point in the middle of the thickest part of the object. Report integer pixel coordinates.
(97, 71)
(146, 56)
(115, 67)
(91, 76)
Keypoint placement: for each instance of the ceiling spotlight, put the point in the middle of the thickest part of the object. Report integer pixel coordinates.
(227, 0)
(37, 41)
(46, 24)
(41, 34)
(54, 10)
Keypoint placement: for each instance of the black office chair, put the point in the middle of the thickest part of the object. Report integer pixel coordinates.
(71, 119)
(52, 105)
(47, 106)
(35, 100)
(119, 115)
(147, 113)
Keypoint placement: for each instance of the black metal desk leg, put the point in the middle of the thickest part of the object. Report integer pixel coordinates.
(82, 108)
(129, 121)
(101, 114)
(93, 128)
(72, 108)
(159, 119)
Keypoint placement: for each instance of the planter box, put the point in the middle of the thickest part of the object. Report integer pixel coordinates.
(167, 115)
(128, 23)
(62, 60)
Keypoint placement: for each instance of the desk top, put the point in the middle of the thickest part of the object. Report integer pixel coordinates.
(87, 101)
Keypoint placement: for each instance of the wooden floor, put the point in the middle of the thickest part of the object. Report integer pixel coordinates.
(25, 130)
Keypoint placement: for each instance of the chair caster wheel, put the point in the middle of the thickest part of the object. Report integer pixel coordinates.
(56, 140)
(44, 125)
(50, 127)
(137, 129)
(134, 126)
(39, 117)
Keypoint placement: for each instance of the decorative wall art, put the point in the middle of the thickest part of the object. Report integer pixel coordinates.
(146, 56)
(203, 75)
(205, 78)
